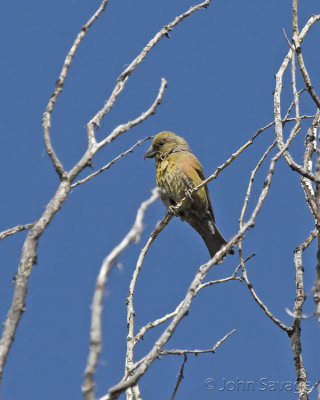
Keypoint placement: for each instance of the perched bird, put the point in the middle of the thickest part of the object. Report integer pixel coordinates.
(178, 171)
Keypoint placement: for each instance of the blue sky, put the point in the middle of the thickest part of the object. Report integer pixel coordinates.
(220, 65)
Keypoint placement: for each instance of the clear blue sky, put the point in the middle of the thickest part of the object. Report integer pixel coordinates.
(220, 66)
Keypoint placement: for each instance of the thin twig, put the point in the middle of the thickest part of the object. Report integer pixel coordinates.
(222, 167)
(233, 157)
(317, 383)
(155, 323)
(222, 280)
(46, 121)
(261, 304)
(242, 261)
(166, 317)
(130, 124)
(180, 377)
(92, 150)
(243, 268)
(15, 229)
(252, 176)
(122, 79)
(228, 279)
(196, 352)
(296, 41)
(286, 118)
(107, 166)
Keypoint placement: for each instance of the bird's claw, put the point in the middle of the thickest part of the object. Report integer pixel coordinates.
(189, 195)
(172, 210)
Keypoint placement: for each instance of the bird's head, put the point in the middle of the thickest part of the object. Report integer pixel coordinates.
(165, 143)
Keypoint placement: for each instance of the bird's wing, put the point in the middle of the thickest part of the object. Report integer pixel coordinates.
(193, 169)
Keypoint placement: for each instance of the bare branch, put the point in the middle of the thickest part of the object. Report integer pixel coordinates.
(107, 166)
(317, 383)
(95, 121)
(15, 229)
(115, 391)
(125, 127)
(196, 352)
(296, 41)
(166, 317)
(228, 279)
(155, 323)
(107, 265)
(253, 174)
(131, 339)
(235, 155)
(92, 150)
(243, 268)
(295, 336)
(316, 286)
(261, 304)
(222, 167)
(310, 143)
(242, 262)
(46, 121)
(29, 256)
(180, 377)
(292, 104)
(222, 280)
(27, 260)
(277, 98)
(279, 132)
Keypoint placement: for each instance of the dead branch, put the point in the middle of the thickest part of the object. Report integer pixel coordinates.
(107, 265)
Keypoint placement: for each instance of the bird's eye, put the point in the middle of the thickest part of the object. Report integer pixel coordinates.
(161, 143)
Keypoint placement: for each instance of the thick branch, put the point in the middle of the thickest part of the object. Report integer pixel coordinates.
(295, 337)
(316, 286)
(310, 143)
(27, 260)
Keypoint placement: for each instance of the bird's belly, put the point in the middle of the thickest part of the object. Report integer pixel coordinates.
(173, 187)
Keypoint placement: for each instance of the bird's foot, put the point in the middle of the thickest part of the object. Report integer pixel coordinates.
(172, 210)
(188, 194)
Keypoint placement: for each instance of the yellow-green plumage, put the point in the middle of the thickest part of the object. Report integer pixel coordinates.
(175, 177)
(177, 171)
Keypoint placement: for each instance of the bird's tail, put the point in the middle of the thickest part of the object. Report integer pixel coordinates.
(210, 234)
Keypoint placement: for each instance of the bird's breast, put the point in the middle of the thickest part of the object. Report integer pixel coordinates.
(172, 180)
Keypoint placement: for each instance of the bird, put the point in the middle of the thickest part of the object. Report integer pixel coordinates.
(178, 171)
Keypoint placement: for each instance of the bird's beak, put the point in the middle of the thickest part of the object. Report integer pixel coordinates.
(150, 153)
